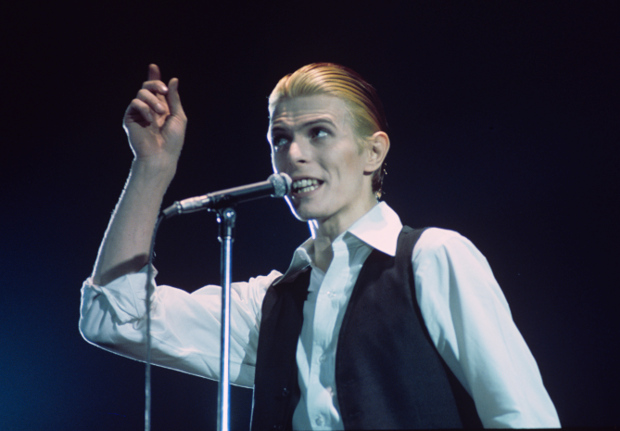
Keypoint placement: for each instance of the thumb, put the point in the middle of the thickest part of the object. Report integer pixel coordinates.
(173, 98)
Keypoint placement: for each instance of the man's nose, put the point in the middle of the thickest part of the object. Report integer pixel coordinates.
(297, 152)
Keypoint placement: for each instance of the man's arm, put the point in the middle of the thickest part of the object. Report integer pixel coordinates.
(155, 124)
(470, 322)
(185, 328)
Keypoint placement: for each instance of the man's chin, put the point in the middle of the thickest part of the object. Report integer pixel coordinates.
(298, 211)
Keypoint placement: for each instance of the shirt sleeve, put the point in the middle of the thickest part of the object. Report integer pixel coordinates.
(185, 327)
(470, 323)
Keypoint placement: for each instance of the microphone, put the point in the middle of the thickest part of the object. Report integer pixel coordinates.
(277, 186)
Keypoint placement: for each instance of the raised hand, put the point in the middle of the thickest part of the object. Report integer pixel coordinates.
(155, 124)
(155, 121)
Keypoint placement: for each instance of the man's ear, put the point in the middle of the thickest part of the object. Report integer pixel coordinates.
(378, 147)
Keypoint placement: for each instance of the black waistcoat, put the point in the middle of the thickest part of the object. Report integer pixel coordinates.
(389, 374)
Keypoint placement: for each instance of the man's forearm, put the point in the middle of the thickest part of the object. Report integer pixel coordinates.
(127, 240)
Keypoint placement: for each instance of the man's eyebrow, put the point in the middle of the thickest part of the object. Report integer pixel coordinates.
(319, 121)
(279, 124)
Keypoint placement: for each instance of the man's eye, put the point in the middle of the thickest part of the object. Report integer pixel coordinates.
(318, 133)
(279, 142)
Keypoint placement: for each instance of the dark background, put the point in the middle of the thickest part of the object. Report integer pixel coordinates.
(504, 125)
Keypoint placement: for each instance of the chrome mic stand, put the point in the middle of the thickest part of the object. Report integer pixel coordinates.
(277, 185)
(226, 218)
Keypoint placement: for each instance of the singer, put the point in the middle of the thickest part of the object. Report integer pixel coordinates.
(373, 326)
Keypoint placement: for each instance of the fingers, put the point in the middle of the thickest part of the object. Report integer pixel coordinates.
(155, 99)
(154, 82)
(154, 74)
(142, 109)
(154, 91)
(151, 99)
(156, 86)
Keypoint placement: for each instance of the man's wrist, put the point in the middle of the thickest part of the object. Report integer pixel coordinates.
(155, 171)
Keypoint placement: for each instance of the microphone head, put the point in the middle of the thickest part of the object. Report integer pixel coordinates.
(281, 185)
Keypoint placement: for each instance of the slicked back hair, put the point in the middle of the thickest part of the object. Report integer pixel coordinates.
(333, 79)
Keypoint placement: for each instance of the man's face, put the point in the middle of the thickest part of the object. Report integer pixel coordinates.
(313, 141)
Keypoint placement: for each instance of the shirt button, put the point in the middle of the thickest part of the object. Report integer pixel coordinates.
(322, 358)
(319, 420)
(286, 392)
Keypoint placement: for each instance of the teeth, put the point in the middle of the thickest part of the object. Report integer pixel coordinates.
(305, 185)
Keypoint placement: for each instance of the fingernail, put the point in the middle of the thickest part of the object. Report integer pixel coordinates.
(160, 107)
(164, 88)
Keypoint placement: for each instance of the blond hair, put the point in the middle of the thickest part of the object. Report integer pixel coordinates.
(332, 79)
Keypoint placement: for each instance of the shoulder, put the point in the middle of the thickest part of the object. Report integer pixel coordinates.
(437, 240)
(444, 248)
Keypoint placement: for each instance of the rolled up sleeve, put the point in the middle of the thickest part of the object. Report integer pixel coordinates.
(185, 328)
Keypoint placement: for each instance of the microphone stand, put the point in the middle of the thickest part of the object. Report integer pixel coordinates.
(278, 185)
(226, 218)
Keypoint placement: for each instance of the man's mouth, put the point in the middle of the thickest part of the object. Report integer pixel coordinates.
(305, 185)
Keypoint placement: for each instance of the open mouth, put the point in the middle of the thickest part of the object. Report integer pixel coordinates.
(305, 185)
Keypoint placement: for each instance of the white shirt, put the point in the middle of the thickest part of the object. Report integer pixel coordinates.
(461, 303)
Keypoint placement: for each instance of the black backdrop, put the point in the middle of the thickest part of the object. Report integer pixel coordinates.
(504, 124)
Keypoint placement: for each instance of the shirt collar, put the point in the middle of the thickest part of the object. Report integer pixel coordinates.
(379, 228)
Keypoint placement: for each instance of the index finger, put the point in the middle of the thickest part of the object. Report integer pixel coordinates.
(154, 73)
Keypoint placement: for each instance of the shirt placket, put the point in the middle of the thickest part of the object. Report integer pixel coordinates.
(329, 303)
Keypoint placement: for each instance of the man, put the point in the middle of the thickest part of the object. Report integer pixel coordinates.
(372, 326)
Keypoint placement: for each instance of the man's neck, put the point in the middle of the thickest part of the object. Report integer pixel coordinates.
(325, 234)
(322, 252)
